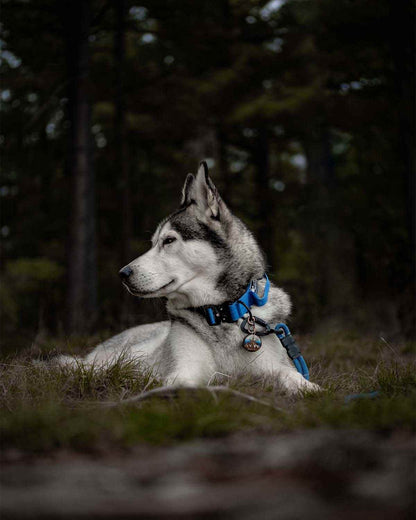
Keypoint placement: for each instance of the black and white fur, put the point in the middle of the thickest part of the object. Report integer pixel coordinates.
(201, 254)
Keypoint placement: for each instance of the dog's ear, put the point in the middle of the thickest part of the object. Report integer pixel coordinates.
(187, 190)
(206, 194)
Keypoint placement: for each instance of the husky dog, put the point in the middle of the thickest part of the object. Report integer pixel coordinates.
(201, 255)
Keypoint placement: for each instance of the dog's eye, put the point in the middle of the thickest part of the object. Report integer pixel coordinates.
(168, 240)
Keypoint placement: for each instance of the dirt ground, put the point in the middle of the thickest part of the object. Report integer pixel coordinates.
(310, 474)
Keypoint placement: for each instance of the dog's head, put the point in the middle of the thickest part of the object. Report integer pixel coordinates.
(200, 254)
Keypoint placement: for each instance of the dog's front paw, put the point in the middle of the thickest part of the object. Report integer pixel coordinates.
(311, 387)
(294, 383)
(181, 380)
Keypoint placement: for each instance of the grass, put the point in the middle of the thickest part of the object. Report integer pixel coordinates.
(43, 408)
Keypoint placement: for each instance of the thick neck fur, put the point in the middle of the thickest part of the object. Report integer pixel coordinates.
(243, 263)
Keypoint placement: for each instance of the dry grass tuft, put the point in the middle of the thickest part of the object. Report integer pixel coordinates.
(44, 407)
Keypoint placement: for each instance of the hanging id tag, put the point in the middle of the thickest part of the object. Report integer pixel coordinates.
(251, 342)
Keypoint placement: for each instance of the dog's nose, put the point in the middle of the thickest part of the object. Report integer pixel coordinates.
(125, 272)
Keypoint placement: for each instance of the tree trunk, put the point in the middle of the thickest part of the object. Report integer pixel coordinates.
(402, 44)
(121, 149)
(263, 194)
(81, 296)
(330, 248)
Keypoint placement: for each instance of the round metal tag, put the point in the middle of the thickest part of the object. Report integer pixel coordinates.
(252, 343)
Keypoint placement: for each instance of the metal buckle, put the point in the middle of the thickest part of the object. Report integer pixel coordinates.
(219, 314)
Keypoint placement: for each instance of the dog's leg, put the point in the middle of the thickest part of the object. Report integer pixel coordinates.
(189, 359)
(195, 370)
(272, 361)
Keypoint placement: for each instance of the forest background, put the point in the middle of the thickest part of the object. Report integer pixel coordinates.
(303, 109)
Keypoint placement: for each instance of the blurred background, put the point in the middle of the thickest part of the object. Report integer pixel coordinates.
(303, 109)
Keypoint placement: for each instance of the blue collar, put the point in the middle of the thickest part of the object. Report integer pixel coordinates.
(230, 312)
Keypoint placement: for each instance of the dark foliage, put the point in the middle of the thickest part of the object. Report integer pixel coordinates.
(304, 108)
